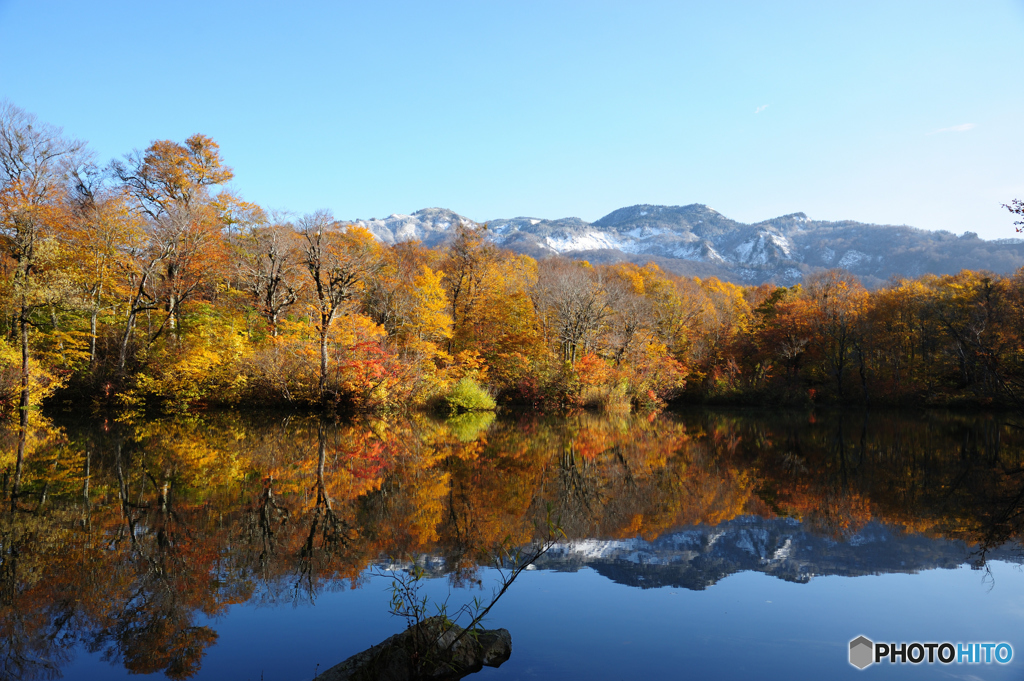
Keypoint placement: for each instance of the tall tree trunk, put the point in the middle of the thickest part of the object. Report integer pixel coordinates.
(20, 465)
(862, 368)
(86, 475)
(97, 293)
(324, 321)
(23, 401)
(126, 338)
(172, 314)
(321, 486)
(133, 311)
(92, 335)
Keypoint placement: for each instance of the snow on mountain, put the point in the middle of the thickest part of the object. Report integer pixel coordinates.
(430, 225)
(697, 240)
(699, 556)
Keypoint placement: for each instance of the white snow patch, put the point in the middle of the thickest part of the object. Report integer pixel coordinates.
(745, 249)
(747, 545)
(782, 553)
(782, 242)
(853, 257)
(587, 241)
(758, 251)
(645, 232)
(597, 548)
(687, 252)
(858, 540)
(632, 246)
(714, 255)
(406, 230)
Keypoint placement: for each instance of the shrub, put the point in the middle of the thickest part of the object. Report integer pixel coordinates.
(468, 395)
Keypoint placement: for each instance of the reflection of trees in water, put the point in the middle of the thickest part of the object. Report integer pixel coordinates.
(329, 535)
(36, 634)
(953, 476)
(119, 538)
(578, 493)
(263, 520)
(124, 588)
(33, 642)
(150, 625)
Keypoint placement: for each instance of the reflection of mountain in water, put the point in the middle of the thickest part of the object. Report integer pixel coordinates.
(698, 557)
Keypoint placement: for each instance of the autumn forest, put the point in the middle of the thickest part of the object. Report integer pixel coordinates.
(145, 284)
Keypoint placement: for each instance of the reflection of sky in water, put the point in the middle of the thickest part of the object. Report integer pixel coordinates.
(580, 625)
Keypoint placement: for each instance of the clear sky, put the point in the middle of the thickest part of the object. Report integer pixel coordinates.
(889, 112)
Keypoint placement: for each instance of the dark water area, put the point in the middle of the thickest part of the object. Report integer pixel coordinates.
(699, 544)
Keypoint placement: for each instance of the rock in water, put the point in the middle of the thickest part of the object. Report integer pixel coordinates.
(430, 650)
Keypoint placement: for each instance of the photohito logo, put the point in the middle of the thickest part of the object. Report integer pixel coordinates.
(863, 652)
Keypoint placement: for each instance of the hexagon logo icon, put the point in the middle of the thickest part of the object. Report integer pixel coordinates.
(862, 652)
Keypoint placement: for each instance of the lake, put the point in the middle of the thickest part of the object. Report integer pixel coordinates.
(696, 544)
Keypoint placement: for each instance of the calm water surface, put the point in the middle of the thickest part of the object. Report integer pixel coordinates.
(704, 544)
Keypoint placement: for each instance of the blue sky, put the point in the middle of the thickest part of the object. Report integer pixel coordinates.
(889, 112)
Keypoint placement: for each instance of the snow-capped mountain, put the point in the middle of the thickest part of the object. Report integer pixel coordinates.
(430, 225)
(696, 240)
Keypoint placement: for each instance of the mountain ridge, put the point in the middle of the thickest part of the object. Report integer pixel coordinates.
(696, 240)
